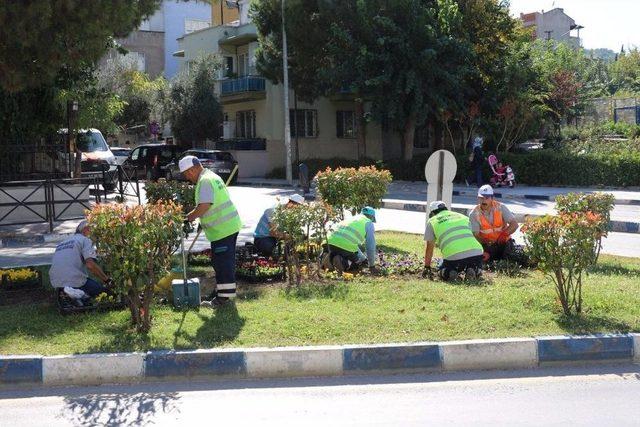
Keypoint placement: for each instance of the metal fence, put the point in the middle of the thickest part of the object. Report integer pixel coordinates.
(602, 110)
(127, 183)
(49, 200)
(33, 161)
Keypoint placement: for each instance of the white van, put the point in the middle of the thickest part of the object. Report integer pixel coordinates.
(96, 155)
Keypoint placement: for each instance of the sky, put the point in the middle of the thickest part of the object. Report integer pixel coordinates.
(608, 23)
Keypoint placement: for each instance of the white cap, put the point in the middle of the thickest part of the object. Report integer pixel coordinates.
(438, 204)
(187, 162)
(485, 191)
(296, 198)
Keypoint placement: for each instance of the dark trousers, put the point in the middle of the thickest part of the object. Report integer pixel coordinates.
(346, 255)
(223, 259)
(463, 264)
(476, 176)
(92, 288)
(265, 245)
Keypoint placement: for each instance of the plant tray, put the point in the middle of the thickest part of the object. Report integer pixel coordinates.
(66, 306)
(252, 277)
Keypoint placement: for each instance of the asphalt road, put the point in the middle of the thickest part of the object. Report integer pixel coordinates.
(592, 396)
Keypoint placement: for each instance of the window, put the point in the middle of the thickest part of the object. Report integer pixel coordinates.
(243, 64)
(191, 25)
(228, 66)
(246, 124)
(135, 154)
(346, 124)
(304, 123)
(167, 154)
(89, 142)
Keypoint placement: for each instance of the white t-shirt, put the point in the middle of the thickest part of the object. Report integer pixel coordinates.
(67, 266)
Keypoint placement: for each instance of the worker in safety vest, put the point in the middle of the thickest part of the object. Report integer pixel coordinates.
(450, 231)
(492, 223)
(220, 222)
(346, 241)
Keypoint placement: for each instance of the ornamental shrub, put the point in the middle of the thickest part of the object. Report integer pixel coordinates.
(136, 244)
(563, 246)
(598, 203)
(352, 189)
(165, 191)
(304, 231)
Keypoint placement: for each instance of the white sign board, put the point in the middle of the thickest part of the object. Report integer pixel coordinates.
(440, 171)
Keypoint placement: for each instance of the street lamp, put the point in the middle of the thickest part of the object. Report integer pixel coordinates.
(285, 83)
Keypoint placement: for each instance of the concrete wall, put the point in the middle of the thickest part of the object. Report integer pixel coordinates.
(151, 44)
(175, 14)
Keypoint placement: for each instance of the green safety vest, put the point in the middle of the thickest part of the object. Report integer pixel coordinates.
(453, 234)
(222, 219)
(350, 234)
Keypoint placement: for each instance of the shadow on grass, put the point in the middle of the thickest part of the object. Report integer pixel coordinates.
(614, 270)
(118, 409)
(589, 324)
(224, 326)
(330, 290)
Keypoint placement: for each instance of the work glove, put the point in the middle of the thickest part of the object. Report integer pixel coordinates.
(427, 273)
(503, 237)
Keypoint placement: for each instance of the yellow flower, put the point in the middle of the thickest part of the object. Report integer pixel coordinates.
(347, 276)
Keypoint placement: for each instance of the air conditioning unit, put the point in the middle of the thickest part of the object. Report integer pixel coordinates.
(228, 129)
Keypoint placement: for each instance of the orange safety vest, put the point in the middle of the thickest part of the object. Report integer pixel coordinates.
(488, 231)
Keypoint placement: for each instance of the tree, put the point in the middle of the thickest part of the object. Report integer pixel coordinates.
(402, 56)
(42, 38)
(625, 72)
(192, 106)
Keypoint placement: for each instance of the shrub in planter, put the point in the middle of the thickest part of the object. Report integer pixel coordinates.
(137, 243)
(562, 246)
(304, 229)
(598, 203)
(171, 191)
(352, 189)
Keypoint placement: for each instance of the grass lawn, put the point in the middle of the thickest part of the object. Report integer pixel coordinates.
(365, 310)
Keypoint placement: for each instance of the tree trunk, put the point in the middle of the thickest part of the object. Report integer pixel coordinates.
(408, 134)
(361, 131)
(438, 133)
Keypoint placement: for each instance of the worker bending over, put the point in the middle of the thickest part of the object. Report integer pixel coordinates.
(493, 224)
(345, 243)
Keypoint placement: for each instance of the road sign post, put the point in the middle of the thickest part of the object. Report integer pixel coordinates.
(439, 172)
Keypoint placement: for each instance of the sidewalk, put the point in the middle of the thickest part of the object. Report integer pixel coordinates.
(417, 190)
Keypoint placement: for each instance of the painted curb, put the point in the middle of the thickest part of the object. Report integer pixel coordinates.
(495, 354)
(89, 369)
(587, 348)
(400, 358)
(217, 363)
(616, 226)
(294, 362)
(20, 369)
(508, 353)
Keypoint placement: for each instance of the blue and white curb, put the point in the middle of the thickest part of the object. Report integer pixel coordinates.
(508, 353)
(615, 226)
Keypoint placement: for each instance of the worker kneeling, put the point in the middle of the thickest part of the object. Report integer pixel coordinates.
(493, 224)
(451, 232)
(265, 237)
(345, 243)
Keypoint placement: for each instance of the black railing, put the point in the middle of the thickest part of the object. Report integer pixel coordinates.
(127, 183)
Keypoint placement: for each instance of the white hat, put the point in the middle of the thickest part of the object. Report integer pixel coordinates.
(296, 198)
(187, 162)
(485, 191)
(438, 204)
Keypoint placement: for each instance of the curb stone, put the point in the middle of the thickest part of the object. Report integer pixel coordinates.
(509, 353)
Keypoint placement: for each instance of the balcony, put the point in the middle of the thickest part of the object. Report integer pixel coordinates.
(249, 88)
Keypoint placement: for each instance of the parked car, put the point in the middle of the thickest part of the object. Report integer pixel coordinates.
(150, 161)
(220, 162)
(96, 156)
(121, 154)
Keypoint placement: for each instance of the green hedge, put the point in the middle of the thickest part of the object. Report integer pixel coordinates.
(542, 167)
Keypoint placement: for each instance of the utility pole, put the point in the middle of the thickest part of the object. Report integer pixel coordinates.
(285, 83)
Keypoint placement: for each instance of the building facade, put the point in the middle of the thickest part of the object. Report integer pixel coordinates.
(552, 25)
(253, 127)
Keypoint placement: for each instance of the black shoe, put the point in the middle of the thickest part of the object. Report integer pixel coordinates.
(218, 302)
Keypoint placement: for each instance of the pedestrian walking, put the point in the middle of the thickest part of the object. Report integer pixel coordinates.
(476, 159)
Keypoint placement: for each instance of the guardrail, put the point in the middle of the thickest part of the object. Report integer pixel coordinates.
(243, 84)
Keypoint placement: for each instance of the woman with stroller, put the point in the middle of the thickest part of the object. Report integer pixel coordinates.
(476, 158)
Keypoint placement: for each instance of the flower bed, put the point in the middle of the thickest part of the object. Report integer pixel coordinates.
(259, 270)
(202, 258)
(19, 279)
(399, 263)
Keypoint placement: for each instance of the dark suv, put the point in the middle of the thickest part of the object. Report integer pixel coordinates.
(150, 161)
(220, 162)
